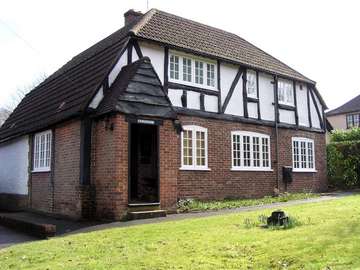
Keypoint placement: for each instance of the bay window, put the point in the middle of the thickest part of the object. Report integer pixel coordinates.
(42, 151)
(303, 154)
(250, 151)
(194, 148)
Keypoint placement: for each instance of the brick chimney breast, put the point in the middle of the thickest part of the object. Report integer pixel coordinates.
(131, 15)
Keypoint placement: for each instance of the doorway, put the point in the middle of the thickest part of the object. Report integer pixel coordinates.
(144, 164)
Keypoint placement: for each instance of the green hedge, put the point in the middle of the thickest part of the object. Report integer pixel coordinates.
(343, 159)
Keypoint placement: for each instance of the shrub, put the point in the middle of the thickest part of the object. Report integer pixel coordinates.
(343, 136)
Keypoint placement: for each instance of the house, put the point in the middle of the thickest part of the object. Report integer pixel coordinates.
(346, 116)
(164, 108)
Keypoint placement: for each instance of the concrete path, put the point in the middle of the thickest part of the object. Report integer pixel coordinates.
(173, 217)
(10, 237)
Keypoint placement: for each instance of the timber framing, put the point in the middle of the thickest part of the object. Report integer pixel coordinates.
(219, 85)
(173, 85)
(308, 106)
(316, 108)
(276, 100)
(166, 69)
(258, 95)
(244, 92)
(296, 105)
(232, 88)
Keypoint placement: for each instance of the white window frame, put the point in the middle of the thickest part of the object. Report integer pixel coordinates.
(251, 167)
(286, 86)
(194, 166)
(306, 141)
(193, 83)
(251, 73)
(37, 153)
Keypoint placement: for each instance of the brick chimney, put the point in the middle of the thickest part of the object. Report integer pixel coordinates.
(131, 15)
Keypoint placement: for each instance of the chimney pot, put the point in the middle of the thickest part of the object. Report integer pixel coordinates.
(131, 15)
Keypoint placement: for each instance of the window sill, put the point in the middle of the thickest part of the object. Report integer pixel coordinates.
(305, 171)
(194, 169)
(40, 170)
(252, 169)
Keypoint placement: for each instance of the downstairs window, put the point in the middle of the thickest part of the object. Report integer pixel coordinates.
(42, 151)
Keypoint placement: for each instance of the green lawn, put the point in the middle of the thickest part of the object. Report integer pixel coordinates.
(195, 205)
(327, 237)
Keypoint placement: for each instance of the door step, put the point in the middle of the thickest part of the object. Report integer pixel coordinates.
(133, 215)
(136, 207)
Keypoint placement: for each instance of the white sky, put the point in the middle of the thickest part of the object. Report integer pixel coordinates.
(318, 38)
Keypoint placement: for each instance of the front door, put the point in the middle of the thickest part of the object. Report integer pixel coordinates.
(144, 164)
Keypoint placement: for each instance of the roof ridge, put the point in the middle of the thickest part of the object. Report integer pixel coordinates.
(144, 19)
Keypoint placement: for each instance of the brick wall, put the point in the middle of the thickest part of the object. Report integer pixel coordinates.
(220, 182)
(40, 191)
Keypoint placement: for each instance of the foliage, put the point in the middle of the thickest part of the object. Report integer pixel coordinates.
(196, 205)
(347, 135)
(343, 160)
(329, 241)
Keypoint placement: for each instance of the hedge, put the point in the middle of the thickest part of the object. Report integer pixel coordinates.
(343, 159)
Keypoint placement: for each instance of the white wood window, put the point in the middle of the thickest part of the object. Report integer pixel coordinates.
(303, 154)
(352, 120)
(251, 87)
(191, 70)
(250, 151)
(194, 148)
(174, 67)
(285, 93)
(42, 151)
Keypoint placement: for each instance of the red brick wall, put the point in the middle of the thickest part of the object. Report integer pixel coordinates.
(40, 191)
(110, 167)
(220, 182)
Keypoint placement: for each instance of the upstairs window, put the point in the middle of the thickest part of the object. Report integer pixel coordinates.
(303, 154)
(210, 75)
(174, 67)
(352, 120)
(42, 151)
(194, 148)
(193, 71)
(285, 93)
(250, 151)
(251, 86)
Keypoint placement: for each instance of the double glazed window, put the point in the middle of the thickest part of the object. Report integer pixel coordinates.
(194, 148)
(352, 120)
(195, 72)
(251, 84)
(303, 154)
(250, 151)
(42, 151)
(285, 93)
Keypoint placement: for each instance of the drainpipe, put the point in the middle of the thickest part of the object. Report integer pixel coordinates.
(276, 103)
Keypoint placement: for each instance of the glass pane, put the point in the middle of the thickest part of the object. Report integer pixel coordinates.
(187, 147)
(246, 151)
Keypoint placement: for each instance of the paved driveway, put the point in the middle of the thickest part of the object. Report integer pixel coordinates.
(10, 237)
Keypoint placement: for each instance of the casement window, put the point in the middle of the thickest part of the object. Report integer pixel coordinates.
(42, 151)
(251, 87)
(174, 67)
(285, 93)
(303, 154)
(352, 120)
(250, 151)
(194, 148)
(192, 71)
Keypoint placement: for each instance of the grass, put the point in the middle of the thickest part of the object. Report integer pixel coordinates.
(326, 236)
(196, 205)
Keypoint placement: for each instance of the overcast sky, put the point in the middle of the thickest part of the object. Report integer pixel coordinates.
(320, 39)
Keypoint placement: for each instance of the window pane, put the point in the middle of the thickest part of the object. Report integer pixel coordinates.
(187, 147)
(303, 154)
(310, 155)
(200, 148)
(199, 72)
(187, 69)
(174, 67)
(246, 151)
(296, 154)
(236, 151)
(251, 84)
(211, 75)
(265, 152)
(285, 93)
(256, 152)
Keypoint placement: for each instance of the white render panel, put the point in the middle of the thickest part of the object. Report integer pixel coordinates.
(235, 105)
(117, 68)
(14, 163)
(175, 97)
(135, 56)
(211, 103)
(156, 55)
(301, 100)
(227, 76)
(266, 97)
(252, 110)
(314, 116)
(287, 117)
(193, 100)
(319, 105)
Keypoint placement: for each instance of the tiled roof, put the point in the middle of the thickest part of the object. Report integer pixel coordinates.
(350, 106)
(137, 91)
(179, 32)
